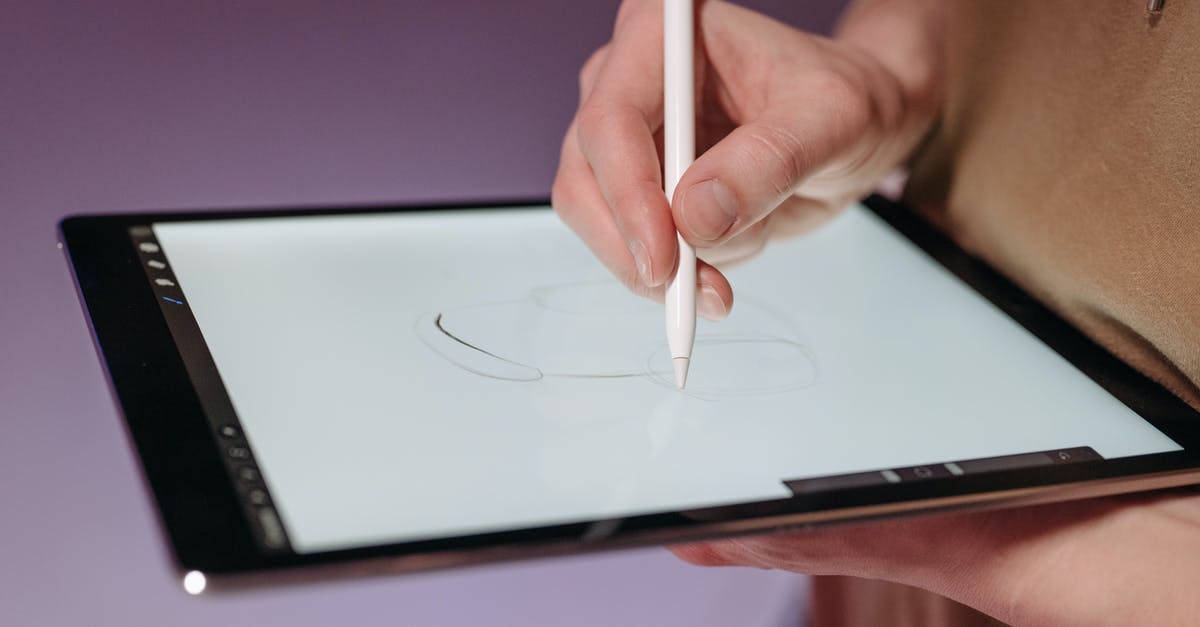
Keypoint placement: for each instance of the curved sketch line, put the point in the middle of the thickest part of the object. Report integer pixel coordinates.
(437, 322)
(800, 364)
(430, 331)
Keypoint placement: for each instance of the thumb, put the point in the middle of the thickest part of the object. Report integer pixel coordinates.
(746, 175)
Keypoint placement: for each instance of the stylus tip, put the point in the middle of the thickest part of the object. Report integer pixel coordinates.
(681, 370)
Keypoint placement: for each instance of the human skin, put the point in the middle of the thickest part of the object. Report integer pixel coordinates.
(793, 127)
(1127, 560)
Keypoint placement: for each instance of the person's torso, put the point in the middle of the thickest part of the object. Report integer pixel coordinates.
(1068, 156)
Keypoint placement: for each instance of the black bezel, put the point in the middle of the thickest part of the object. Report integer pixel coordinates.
(204, 520)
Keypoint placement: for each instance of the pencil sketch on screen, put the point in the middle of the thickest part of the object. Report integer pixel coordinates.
(597, 330)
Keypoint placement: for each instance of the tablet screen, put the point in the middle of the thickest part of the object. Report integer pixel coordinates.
(415, 375)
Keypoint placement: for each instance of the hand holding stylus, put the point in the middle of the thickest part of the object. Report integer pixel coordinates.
(790, 126)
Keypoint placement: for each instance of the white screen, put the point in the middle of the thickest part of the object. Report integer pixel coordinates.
(417, 375)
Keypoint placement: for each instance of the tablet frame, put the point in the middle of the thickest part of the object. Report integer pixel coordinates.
(203, 518)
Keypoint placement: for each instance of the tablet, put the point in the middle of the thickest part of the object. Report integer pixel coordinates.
(402, 388)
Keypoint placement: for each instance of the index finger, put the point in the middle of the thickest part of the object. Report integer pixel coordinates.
(616, 126)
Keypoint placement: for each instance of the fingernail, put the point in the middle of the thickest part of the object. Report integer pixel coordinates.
(710, 304)
(642, 259)
(708, 209)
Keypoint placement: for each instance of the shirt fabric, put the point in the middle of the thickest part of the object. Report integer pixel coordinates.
(1067, 155)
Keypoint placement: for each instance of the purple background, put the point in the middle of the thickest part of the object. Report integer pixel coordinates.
(155, 105)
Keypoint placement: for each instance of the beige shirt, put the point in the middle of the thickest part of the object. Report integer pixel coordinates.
(1068, 156)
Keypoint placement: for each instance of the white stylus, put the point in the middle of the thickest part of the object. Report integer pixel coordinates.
(679, 146)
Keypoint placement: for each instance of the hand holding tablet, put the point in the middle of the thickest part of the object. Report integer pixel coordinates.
(1080, 562)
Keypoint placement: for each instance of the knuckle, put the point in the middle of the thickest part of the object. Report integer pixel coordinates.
(597, 114)
(590, 123)
(591, 67)
(783, 155)
(599, 119)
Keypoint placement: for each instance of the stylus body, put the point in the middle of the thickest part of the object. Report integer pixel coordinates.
(679, 147)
